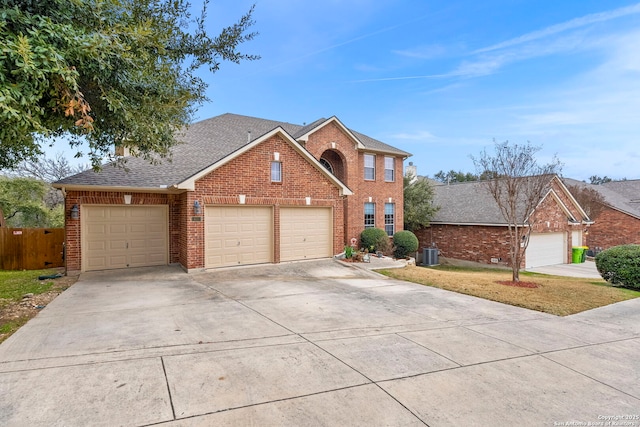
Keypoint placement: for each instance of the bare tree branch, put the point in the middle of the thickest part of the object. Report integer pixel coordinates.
(518, 185)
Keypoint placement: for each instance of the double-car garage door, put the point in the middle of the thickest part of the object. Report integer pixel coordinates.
(243, 235)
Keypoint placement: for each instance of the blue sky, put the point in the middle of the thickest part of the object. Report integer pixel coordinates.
(443, 79)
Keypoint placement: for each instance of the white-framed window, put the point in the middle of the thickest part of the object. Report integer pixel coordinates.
(369, 167)
(276, 171)
(369, 215)
(389, 218)
(389, 169)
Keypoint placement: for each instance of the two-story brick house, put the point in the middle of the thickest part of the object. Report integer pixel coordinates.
(238, 190)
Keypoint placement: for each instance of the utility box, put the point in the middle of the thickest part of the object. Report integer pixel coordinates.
(429, 256)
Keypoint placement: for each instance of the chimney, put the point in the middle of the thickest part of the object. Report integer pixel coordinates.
(122, 151)
(411, 170)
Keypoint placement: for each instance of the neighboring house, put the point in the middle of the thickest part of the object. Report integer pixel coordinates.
(469, 226)
(618, 222)
(239, 190)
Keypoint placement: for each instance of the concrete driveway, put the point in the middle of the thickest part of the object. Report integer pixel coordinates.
(313, 343)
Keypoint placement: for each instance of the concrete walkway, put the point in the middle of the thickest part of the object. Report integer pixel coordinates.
(586, 269)
(313, 343)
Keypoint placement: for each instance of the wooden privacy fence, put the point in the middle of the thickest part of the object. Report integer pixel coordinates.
(31, 248)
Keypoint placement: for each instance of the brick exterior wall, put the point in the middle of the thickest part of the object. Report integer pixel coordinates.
(73, 239)
(331, 141)
(613, 228)
(249, 174)
(480, 243)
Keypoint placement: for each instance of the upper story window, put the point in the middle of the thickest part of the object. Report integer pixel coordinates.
(389, 169)
(370, 167)
(369, 215)
(276, 171)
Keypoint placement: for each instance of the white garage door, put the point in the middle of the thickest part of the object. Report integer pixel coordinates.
(305, 233)
(545, 249)
(238, 235)
(124, 236)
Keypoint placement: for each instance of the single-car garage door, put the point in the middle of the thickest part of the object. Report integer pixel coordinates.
(305, 233)
(238, 235)
(124, 236)
(545, 249)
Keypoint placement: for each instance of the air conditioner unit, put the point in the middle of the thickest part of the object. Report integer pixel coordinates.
(429, 256)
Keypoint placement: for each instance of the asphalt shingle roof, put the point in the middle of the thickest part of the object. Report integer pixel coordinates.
(621, 195)
(466, 203)
(202, 144)
(469, 203)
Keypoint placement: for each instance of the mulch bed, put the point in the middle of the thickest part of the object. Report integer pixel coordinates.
(518, 284)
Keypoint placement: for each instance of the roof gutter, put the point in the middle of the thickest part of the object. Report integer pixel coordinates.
(121, 189)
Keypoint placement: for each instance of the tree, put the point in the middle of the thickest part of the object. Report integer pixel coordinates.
(108, 72)
(453, 176)
(591, 201)
(519, 185)
(596, 180)
(46, 169)
(22, 204)
(418, 203)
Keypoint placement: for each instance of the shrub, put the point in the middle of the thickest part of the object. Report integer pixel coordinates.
(404, 243)
(620, 265)
(348, 251)
(374, 240)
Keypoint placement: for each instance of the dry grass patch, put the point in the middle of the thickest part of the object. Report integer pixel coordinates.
(554, 294)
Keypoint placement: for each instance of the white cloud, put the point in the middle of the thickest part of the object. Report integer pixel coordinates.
(416, 136)
(569, 25)
(423, 52)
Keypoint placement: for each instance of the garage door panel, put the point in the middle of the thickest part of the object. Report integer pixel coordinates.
(305, 233)
(545, 249)
(117, 228)
(243, 234)
(124, 236)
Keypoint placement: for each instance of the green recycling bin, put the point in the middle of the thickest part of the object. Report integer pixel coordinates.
(576, 254)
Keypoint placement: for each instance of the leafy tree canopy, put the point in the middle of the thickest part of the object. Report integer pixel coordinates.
(22, 204)
(109, 72)
(418, 203)
(453, 176)
(597, 180)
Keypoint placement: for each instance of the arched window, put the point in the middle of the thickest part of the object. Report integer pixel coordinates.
(326, 164)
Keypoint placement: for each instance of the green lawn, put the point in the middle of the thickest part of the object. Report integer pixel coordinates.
(14, 284)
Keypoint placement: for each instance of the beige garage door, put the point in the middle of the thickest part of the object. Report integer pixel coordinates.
(238, 235)
(124, 236)
(305, 233)
(545, 249)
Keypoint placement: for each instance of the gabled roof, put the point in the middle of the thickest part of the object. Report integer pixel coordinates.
(204, 144)
(470, 203)
(623, 196)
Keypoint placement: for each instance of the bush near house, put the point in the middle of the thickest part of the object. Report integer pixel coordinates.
(620, 265)
(404, 243)
(374, 240)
